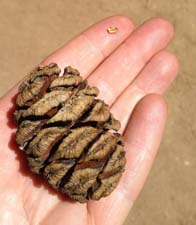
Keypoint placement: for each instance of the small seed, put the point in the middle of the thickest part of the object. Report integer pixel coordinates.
(112, 30)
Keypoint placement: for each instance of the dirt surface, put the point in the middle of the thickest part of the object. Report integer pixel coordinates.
(30, 30)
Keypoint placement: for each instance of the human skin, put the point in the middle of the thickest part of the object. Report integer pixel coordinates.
(132, 71)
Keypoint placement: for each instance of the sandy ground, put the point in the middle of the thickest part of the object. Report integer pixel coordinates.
(30, 30)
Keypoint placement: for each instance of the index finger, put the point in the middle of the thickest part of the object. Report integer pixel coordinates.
(86, 51)
(92, 46)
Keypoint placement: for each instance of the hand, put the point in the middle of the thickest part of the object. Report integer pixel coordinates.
(126, 67)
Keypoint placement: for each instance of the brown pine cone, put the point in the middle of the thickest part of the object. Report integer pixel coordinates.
(64, 131)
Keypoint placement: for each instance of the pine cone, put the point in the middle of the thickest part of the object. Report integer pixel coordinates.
(64, 131)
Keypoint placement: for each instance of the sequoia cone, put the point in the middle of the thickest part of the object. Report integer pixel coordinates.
(66, 133)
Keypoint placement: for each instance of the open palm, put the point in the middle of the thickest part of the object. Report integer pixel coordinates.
(127, 67)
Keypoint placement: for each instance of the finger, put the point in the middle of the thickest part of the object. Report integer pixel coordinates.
(156, 77)
(158, 74)
(86, 51)
(142, 139)
(119, 70)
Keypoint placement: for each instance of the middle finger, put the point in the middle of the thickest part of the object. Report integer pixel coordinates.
(121, 68)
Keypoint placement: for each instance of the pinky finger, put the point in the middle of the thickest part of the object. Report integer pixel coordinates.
(142, 138)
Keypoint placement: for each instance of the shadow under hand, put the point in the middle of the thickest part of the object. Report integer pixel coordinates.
(38, 180)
